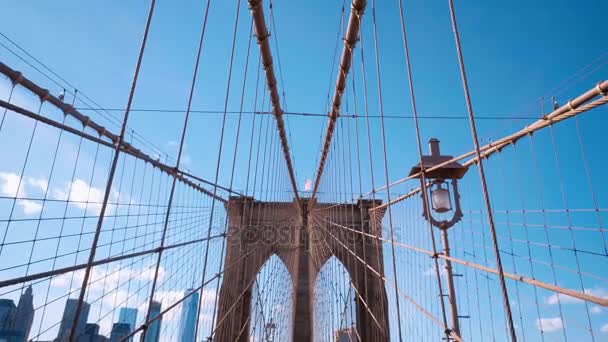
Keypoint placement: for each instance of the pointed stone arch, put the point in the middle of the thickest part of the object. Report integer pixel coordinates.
(333, 278)
(302, 239)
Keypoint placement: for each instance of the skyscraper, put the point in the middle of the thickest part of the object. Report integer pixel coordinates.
(91, 334)
(25, 314)
(119, 330)
(153, 333)
(68, 317)
(8, 311)
(128, 316)
(187, 323)
(16, 321)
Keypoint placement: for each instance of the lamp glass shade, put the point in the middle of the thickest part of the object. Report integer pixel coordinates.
(440, 198)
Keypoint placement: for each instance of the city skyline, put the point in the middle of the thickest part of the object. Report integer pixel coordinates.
(16, 321)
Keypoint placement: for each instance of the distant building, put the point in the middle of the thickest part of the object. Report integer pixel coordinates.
(68, 318)
(187, 323)
(91, 329)
(8, 311)
(153, 332)
(345, 335)
(128, 316)
(25, 313)
(119, 330)
(16, 321)
(91, 334)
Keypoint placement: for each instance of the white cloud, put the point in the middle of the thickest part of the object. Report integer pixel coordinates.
(604, 328)
(565, 299)
(81, 195)
(90, 198)
(39, 183)
(596, 310)
(549, 324)
(30, 207)
(12, 186)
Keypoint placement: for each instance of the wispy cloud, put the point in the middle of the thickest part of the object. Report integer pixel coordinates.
(30, 207)
(11, 185)
(40, 183)
(86, 197)
(81, 195)
(549, 324)
(604, 328)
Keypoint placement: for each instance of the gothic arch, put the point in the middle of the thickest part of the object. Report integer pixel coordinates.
(304, 241)
(333, 277)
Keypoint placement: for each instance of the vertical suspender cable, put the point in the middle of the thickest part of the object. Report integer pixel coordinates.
(108, 189)
(388, 193)
(179, 156)
(219, 154)
(482, 176)
(423, 184)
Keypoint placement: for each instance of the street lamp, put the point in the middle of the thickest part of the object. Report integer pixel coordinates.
(269, 330)
(441, 203)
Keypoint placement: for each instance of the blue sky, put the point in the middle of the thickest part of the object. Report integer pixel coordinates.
(515, 53)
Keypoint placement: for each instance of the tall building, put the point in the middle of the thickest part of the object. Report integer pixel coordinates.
(187, 322)
(68, 318)
(91, 334)
(128, 316)
(153, 333)
(8, 311)
(119, 330)
(25, 313)
(16, 321)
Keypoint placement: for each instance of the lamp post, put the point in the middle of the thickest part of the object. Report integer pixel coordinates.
(441, 203)
(269, 330)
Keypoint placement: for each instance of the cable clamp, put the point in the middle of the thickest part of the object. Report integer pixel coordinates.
(570, 105)
(17, 79)
(357, 11)
(600, 91)
(45, 95)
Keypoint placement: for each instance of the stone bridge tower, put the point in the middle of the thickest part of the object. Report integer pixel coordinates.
(304, 240)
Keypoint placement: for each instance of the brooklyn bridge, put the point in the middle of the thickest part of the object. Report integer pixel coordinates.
(437, 209)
